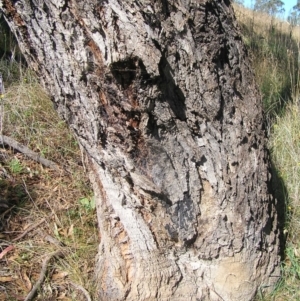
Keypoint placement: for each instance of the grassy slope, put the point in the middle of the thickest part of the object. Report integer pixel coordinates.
(274, 48)
(285, 147)
(64, 199)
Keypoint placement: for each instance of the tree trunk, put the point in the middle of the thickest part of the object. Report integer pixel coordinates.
(161, 97)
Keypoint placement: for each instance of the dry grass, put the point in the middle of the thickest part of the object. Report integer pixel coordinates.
(61, 199)
(30, 118)
(285, 147)
(259, 21)
(274, 47)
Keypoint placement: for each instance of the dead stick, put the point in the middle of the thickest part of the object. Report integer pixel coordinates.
(8, 210)
(6, 250)
(84, 291)
(29, 229)
(42, 275)
(28, 152)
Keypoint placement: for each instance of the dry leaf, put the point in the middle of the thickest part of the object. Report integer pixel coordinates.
(27, 281)
(62, 296)
(71, 231)
(63, 232)
(60, 275)
(6, 279)
(26, 226)
(13, 257)
(56, 232)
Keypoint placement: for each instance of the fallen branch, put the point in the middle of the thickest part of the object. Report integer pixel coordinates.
(42, 275)
(26, 151)
(29, 229)
(83, 290)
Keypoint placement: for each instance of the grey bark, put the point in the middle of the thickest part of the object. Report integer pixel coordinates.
(161, 97)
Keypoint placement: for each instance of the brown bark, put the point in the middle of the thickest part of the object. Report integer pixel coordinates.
(161, 96)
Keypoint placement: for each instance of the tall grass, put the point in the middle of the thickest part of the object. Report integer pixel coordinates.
(274, 48)
(11, 62)
(285, 149)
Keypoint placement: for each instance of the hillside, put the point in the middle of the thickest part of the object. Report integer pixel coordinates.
(274, 48)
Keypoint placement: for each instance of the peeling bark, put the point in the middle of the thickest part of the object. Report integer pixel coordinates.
(161, 97)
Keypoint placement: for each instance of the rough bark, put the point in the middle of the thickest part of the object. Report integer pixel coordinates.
(161, 97)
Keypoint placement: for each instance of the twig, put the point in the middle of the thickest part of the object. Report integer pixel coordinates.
(28, 152)
(6, 250)
(2, 92)
(29, 229)
(84, 291)
(42, 275)
(7, 211)
(29, 195)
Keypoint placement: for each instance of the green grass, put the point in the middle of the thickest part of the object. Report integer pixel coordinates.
(15, 166)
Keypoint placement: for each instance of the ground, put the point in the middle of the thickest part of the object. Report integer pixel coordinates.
(43, 210)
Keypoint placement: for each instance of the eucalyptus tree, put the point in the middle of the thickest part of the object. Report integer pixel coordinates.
(294, 16)
(162, 98)
(271, 7)
(240, 2)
